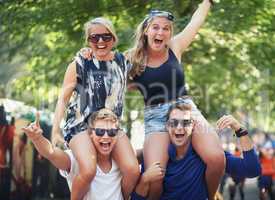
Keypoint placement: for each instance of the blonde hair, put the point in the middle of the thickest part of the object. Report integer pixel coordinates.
(138, 54)
(180, 106)
(102, 21)
(103, 114)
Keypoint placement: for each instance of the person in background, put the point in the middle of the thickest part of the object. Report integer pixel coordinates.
(3, 141)
(237, 182)
(4, 165)
(265, 181)
(22, 187)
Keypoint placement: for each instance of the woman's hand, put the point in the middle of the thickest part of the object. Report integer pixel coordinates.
(86, 53)
(154, 173)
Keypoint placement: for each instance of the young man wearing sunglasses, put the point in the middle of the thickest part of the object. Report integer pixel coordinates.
(103, 130)
(184, 177)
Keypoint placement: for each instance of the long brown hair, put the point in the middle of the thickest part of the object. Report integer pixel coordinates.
(138, 53)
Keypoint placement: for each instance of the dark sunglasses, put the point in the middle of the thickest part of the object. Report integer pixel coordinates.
(160, 13)
(173, 123)
(101, 132)
(106, 37)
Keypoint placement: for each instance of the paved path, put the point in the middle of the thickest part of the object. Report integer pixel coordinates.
(250, 190)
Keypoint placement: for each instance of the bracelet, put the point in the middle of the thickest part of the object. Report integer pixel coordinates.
(241, 132)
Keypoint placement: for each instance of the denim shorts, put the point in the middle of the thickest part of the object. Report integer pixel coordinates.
(155, 116)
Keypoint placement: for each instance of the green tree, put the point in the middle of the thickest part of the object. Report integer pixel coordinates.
(229, 67)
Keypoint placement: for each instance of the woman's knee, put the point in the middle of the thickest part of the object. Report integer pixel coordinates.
(87, 170)
(215, 159)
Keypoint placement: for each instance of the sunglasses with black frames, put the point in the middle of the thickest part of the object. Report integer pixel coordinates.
(173, 123)
(101, 131)
(106, 37)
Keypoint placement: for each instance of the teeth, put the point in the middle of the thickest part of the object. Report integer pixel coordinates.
(158, 41)
(101, 47)
(105, 145)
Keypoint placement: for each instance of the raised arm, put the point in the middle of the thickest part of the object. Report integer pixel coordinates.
(55, 155)
(182, 40)
(69, 85)
(249, 165)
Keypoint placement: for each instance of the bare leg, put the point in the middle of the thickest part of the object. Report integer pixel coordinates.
(85, 154)
(206, 143)
(125, 157)
(156, 150)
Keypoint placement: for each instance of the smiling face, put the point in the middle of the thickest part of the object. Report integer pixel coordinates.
(180, 135)
(104, 144)
(100, 41)
(159, 33)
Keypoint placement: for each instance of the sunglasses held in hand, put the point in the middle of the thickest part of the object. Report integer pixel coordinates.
(101, 132)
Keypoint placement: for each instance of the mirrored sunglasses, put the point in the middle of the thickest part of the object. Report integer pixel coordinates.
(173, 123)
(101, 132)
(160, 13)
(106, 37)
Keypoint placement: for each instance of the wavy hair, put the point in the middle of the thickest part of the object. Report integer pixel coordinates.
(138, 53)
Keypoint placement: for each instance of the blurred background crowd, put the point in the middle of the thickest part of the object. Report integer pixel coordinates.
(229, 70)
(24, 174)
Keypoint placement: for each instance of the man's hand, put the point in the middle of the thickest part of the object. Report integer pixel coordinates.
(33, 131)
(228, 121)
(154, 173)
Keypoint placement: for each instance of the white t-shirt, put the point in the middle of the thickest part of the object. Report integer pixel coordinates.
(104, 186)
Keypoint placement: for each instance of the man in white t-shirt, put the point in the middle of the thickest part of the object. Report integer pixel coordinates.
(103, 129)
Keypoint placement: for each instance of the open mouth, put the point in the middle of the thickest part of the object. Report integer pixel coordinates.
(157, 41)
(105, 145)
(178, 136)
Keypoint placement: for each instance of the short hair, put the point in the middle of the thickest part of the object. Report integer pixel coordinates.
(179, 106)
(102, 114)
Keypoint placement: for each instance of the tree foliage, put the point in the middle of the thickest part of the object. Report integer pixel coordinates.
(230, 66)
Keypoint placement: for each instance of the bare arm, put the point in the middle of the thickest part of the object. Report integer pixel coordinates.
(249, 165)
(154, 173)
(182, 40)
(55, 155)
(230, 121)
(69, 84)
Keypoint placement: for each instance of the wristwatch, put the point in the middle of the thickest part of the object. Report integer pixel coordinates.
(241, 132)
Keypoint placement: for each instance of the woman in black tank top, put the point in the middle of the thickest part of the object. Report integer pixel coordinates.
(157, 73)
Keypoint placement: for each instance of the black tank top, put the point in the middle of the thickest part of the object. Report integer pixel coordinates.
(162, 84)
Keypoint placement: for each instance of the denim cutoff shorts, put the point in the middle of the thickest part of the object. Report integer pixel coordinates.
(155, 116)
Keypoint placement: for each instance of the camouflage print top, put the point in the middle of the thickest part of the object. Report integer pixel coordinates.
(100, 84)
